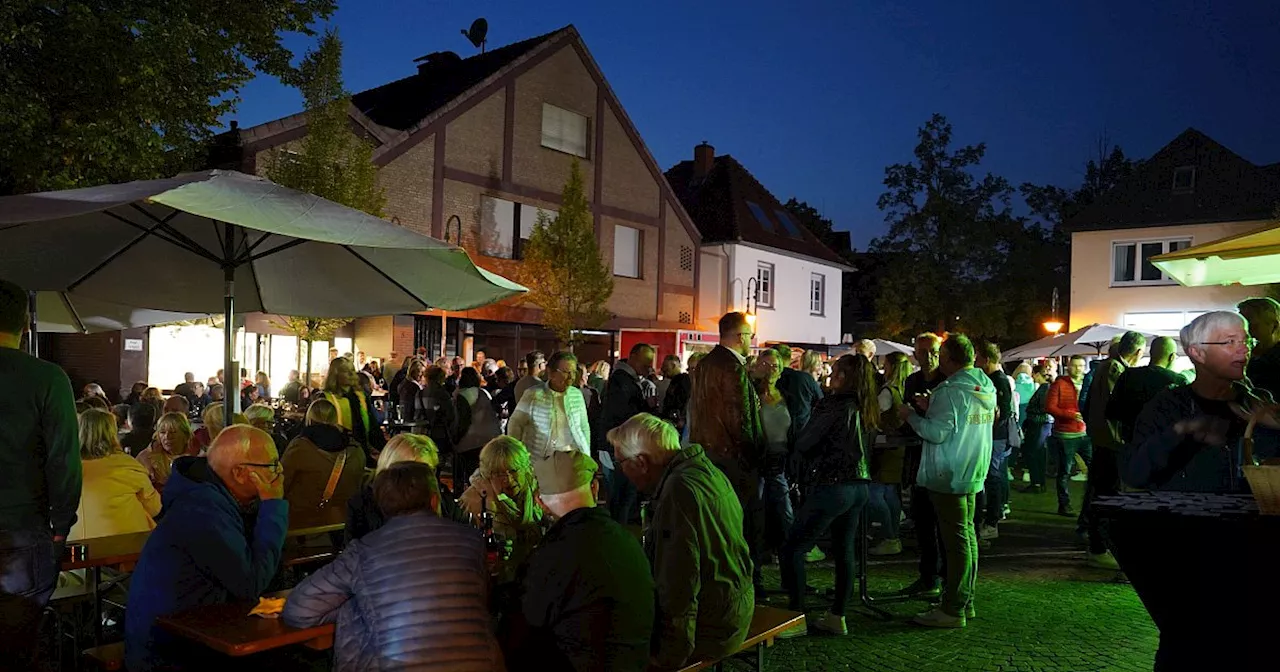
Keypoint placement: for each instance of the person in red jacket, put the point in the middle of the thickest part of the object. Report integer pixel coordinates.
(1069, 438)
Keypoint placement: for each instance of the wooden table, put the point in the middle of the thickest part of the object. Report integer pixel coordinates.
(230, 630)
(118, 551)
(766, 623)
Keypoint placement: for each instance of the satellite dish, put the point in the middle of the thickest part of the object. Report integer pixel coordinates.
(478, 32)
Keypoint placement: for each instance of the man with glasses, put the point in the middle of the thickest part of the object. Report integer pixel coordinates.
(535, 368)
(724, 418)
(219, 539)
(552, 416)
(1189, 438)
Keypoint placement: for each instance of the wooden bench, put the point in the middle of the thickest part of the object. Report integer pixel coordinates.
(766, 623)
(108, 657)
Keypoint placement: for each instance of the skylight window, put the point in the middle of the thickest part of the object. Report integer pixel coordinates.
(788, 224)
(758, 213)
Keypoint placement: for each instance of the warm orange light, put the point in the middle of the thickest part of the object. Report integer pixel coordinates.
(751, 319)
(1053, 326)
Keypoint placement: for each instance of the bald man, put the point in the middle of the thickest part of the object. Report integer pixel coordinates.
(218, 539)
(1140, 384)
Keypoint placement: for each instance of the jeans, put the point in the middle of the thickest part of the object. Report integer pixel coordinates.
(778, 514)
(960, 540)
(1034, 447)
(28, 575)
(1066, 449)
(835, 507)
(932, 562)
(885, 507)
(624, 500)
(997, 482)
(1104, 481)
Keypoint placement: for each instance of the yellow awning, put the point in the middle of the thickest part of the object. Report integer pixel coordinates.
(1251, 258)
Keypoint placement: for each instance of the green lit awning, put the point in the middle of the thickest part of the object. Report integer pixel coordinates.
(1251, 258)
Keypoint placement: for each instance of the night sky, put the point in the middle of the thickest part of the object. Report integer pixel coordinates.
(816, 98)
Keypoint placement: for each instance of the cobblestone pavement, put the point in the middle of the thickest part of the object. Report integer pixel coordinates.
(1039, 607)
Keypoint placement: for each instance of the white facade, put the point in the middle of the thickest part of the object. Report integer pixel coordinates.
(799, 296)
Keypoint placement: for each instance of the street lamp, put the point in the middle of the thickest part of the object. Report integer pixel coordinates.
(1053, 325)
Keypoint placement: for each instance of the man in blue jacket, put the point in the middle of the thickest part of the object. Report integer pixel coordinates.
(956, 430)
(209, 546)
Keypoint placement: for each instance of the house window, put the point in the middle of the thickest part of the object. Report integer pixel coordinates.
(1131, 261)
(817, 294)
(505, 226)
(1184, 179)
(626, 251)
(764, 285)
(564, 131)
(761, 218)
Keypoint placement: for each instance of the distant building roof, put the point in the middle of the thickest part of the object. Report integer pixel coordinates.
(1192, 180)
(729, 205)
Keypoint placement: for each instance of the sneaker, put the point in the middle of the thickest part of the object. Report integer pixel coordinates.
(969, 610)
(1006, 512)
(797, 631)
(816, 555)
(830, 624)
(923, 588)
(937, 618)
(984, 544)
(1066, 510)
(886, 547)
(1080, 477)
(1103, 560)
(989, 532)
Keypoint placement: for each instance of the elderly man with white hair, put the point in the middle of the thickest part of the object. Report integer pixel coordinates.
(1189, 438)
(865, 347)
(218, 539)
(700, 560)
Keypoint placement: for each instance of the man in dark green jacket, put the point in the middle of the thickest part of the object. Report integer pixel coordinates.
(701, 564)
(40, 489)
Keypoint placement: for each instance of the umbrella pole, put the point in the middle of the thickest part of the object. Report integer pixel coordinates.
(230, 389)
(33, 341)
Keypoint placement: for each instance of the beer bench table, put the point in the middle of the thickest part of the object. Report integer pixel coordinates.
(230, 630)
(1204, 566)
(766, 623)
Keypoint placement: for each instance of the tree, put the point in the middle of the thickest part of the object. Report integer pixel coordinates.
(562, 266)
(818, 224)
(946, 232)
(308, 330)
(92, 93)
(331, 161)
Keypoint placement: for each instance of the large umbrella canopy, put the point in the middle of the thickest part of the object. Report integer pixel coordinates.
(1091, 340)
(1251, 258)
(168, 245)
(222, 241)
(62, 313)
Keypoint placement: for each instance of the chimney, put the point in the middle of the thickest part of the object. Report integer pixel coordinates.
(704, 156)
(235, 125)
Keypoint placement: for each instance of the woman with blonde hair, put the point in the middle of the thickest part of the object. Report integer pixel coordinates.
(173, 436)
(117, 496)
(888, 456)
(505, 481)
(355, 408)
(363, 515)
(599, 377)
(214, 422)
(323, 469)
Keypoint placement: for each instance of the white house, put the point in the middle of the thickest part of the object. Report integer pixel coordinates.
(755, 257)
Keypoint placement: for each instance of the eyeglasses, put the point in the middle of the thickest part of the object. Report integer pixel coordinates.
(1248, 343)
(274, 467)
(566, 373)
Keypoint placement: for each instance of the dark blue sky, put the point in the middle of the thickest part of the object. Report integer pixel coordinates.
(816, 98)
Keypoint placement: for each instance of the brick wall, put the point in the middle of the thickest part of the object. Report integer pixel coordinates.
(473, 141)
(562, 80)
(628, 184)
(408, 184)
(402, 335)
(681, 253)
(633, 297)
(100, 358)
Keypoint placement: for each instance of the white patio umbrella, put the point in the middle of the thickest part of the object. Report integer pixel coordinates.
(1091, 340)
(220, 241)
(884, 347)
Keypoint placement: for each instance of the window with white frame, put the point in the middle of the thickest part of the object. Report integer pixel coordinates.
(505, 226)
(1131, 261)
(564, 131)
(817, 294)
(626, 251)
(764, 284)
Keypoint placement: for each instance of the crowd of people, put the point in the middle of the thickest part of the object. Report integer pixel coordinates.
(505, 556)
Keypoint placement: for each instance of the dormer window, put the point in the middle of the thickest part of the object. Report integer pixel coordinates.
(1184, 179)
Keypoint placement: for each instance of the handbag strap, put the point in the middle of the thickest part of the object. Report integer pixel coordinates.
(334, 475)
